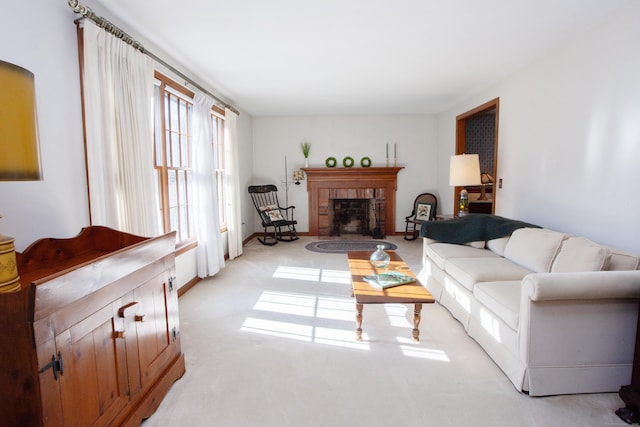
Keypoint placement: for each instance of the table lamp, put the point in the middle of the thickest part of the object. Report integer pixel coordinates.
(19, 156)
(464, 170)
(298, 176)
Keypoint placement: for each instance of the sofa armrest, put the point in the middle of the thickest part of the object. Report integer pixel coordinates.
(577, 331)
(581, 285)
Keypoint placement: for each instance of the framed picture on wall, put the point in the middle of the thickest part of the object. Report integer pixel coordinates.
(424, 212)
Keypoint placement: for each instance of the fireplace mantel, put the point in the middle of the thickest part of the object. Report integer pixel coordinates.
(321, 180)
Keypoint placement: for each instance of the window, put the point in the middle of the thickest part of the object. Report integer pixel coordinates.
(217, 118)
(173, 113)
(173, 138)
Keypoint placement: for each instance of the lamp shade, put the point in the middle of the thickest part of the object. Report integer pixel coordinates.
(19, 157)
(464, 170)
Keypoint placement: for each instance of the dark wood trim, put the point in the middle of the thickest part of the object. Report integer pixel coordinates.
(173, 84)
(187, 286)
(250, 238)
(80, 34)
(487, 106)
(218, 110)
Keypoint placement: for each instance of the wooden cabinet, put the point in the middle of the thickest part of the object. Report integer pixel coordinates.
(93, 336)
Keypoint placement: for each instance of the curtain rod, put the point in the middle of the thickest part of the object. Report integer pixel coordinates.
(105, 24)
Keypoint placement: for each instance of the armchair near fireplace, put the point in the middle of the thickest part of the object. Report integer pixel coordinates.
(424, 209)
(273, 216)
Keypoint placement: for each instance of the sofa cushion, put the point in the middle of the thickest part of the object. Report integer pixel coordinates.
(498, 245)
(579, 254)
(502, 299)
(479, 244)
(469, 271)
(621, 261)
(440, 252)
(534, 248)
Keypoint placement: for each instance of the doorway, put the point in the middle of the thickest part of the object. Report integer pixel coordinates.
(477, 133)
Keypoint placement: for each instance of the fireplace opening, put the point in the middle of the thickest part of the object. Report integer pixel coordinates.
(352, 216)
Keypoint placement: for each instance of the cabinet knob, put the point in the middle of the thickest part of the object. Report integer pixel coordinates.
(119, 334)
(139, 317)
(126, 310)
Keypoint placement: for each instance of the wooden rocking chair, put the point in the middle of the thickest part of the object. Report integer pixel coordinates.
(272, 215)
(424, 209)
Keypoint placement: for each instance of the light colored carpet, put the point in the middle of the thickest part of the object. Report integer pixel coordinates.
(270, 341)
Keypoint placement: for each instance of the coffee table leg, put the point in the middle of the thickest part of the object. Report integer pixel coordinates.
(359, 308)
(416, 322)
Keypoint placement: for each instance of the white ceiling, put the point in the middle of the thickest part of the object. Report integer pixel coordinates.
(300, 57)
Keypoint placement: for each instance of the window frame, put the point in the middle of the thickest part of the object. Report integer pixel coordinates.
(167, 85)
(220, 147)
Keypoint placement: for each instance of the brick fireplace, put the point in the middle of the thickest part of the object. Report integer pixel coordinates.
(378, 184)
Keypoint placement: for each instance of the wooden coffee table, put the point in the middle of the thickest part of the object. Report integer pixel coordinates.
(364, 293)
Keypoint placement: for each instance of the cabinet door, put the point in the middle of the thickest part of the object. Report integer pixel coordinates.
(93, 384)
(155, 331)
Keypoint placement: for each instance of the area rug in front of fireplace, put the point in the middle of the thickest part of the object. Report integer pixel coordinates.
(344, 246)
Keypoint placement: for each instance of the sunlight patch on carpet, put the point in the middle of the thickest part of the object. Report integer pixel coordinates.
(313, 274)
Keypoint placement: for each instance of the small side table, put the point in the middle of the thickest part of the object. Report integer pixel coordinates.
(443, 217)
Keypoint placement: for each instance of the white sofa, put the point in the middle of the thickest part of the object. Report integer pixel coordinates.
(557, 313)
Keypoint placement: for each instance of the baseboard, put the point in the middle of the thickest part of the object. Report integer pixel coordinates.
(187, 286)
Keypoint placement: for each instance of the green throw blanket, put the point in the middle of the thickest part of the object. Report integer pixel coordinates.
(471, 228)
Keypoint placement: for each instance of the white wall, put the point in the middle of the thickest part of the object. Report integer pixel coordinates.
(43, 40)
(341, 136)
(245, 153)
(569, 136)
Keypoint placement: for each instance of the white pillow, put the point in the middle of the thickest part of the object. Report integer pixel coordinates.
(579, 254)
(620, 260)
(498, 245)
(271, 213)
(534, 248)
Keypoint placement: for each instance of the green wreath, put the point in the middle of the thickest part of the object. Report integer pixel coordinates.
(347, 162)
(365, 162)
(331, 162)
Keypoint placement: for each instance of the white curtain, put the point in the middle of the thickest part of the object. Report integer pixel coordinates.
(209, 252)
(118, 107)
(234, 223)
